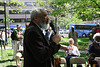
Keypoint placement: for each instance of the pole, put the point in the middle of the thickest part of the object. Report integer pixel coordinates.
(25, 17)
(5, 21)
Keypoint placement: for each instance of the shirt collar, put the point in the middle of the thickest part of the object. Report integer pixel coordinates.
(37, 25)
(70, 46)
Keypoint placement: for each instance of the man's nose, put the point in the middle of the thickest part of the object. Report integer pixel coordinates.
(47, 19)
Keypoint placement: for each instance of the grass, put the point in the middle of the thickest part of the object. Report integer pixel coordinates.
(82, 43)
(61, 54)
(5, 61)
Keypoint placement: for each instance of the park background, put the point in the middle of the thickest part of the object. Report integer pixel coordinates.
(61, 12)
(6, 59)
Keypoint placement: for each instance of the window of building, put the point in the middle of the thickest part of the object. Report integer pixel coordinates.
(34, 3)
(28, 20)
(14, 12)
(30, 3)
(85, 27)
(17, 20)
(1, 20)
(1, 12)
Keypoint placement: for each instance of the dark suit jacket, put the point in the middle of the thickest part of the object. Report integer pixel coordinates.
(38, 51)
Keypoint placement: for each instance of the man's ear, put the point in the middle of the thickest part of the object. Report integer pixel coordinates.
(35, 18)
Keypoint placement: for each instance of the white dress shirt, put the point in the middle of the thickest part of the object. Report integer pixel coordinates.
(73, 50)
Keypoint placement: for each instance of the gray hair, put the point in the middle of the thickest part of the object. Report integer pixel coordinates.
(71, 39)
(97, 34)
(35, 12)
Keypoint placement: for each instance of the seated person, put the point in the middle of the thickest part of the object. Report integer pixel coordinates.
(72, 52)
(20, 36)
(92, 61)
(94, 50)
(19, 55)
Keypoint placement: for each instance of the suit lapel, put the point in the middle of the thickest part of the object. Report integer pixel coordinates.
(41, 33)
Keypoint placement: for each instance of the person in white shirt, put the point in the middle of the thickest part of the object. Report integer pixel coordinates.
(73, 51)
(2, 38)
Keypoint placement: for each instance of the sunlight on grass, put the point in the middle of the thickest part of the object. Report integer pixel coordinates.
(5, 60)
(82, 42)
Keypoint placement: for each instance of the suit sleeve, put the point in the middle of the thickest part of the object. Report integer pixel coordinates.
(41, 50)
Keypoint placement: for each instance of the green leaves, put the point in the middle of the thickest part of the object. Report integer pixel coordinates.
(55, 13)
(85, 9)
(12, 3)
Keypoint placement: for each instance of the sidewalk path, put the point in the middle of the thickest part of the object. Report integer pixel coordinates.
(7, 48)
(81, 51)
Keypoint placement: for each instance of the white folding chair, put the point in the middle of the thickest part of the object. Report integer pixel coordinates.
(98, 60)
(77, 60)
(63, 61)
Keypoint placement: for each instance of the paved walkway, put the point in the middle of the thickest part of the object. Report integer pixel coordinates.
(7, 48)
(81, 51)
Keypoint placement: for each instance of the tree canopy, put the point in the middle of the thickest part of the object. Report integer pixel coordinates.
(11, 4)
(84, 9)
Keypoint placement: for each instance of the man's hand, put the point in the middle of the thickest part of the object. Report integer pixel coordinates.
(56, 38)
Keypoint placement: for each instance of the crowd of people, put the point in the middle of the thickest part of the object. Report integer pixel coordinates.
(18, 35)
(38, 47)
(16, 40)
(94, 47)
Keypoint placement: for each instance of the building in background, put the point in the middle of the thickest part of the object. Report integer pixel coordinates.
(14, 14)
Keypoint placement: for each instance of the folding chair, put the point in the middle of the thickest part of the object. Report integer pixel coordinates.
(63, 61)
(77, 60)
(98, 60)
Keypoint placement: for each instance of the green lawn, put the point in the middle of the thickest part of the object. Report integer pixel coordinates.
(61, 54)
(82, 45)
(5, 61)
(82, 42)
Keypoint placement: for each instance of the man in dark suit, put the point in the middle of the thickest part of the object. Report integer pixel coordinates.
(38, 51)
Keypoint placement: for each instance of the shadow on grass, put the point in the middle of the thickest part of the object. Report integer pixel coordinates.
(86, 40)
(64, 43)
(11, 66)
(10, 55)
(3, 61)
